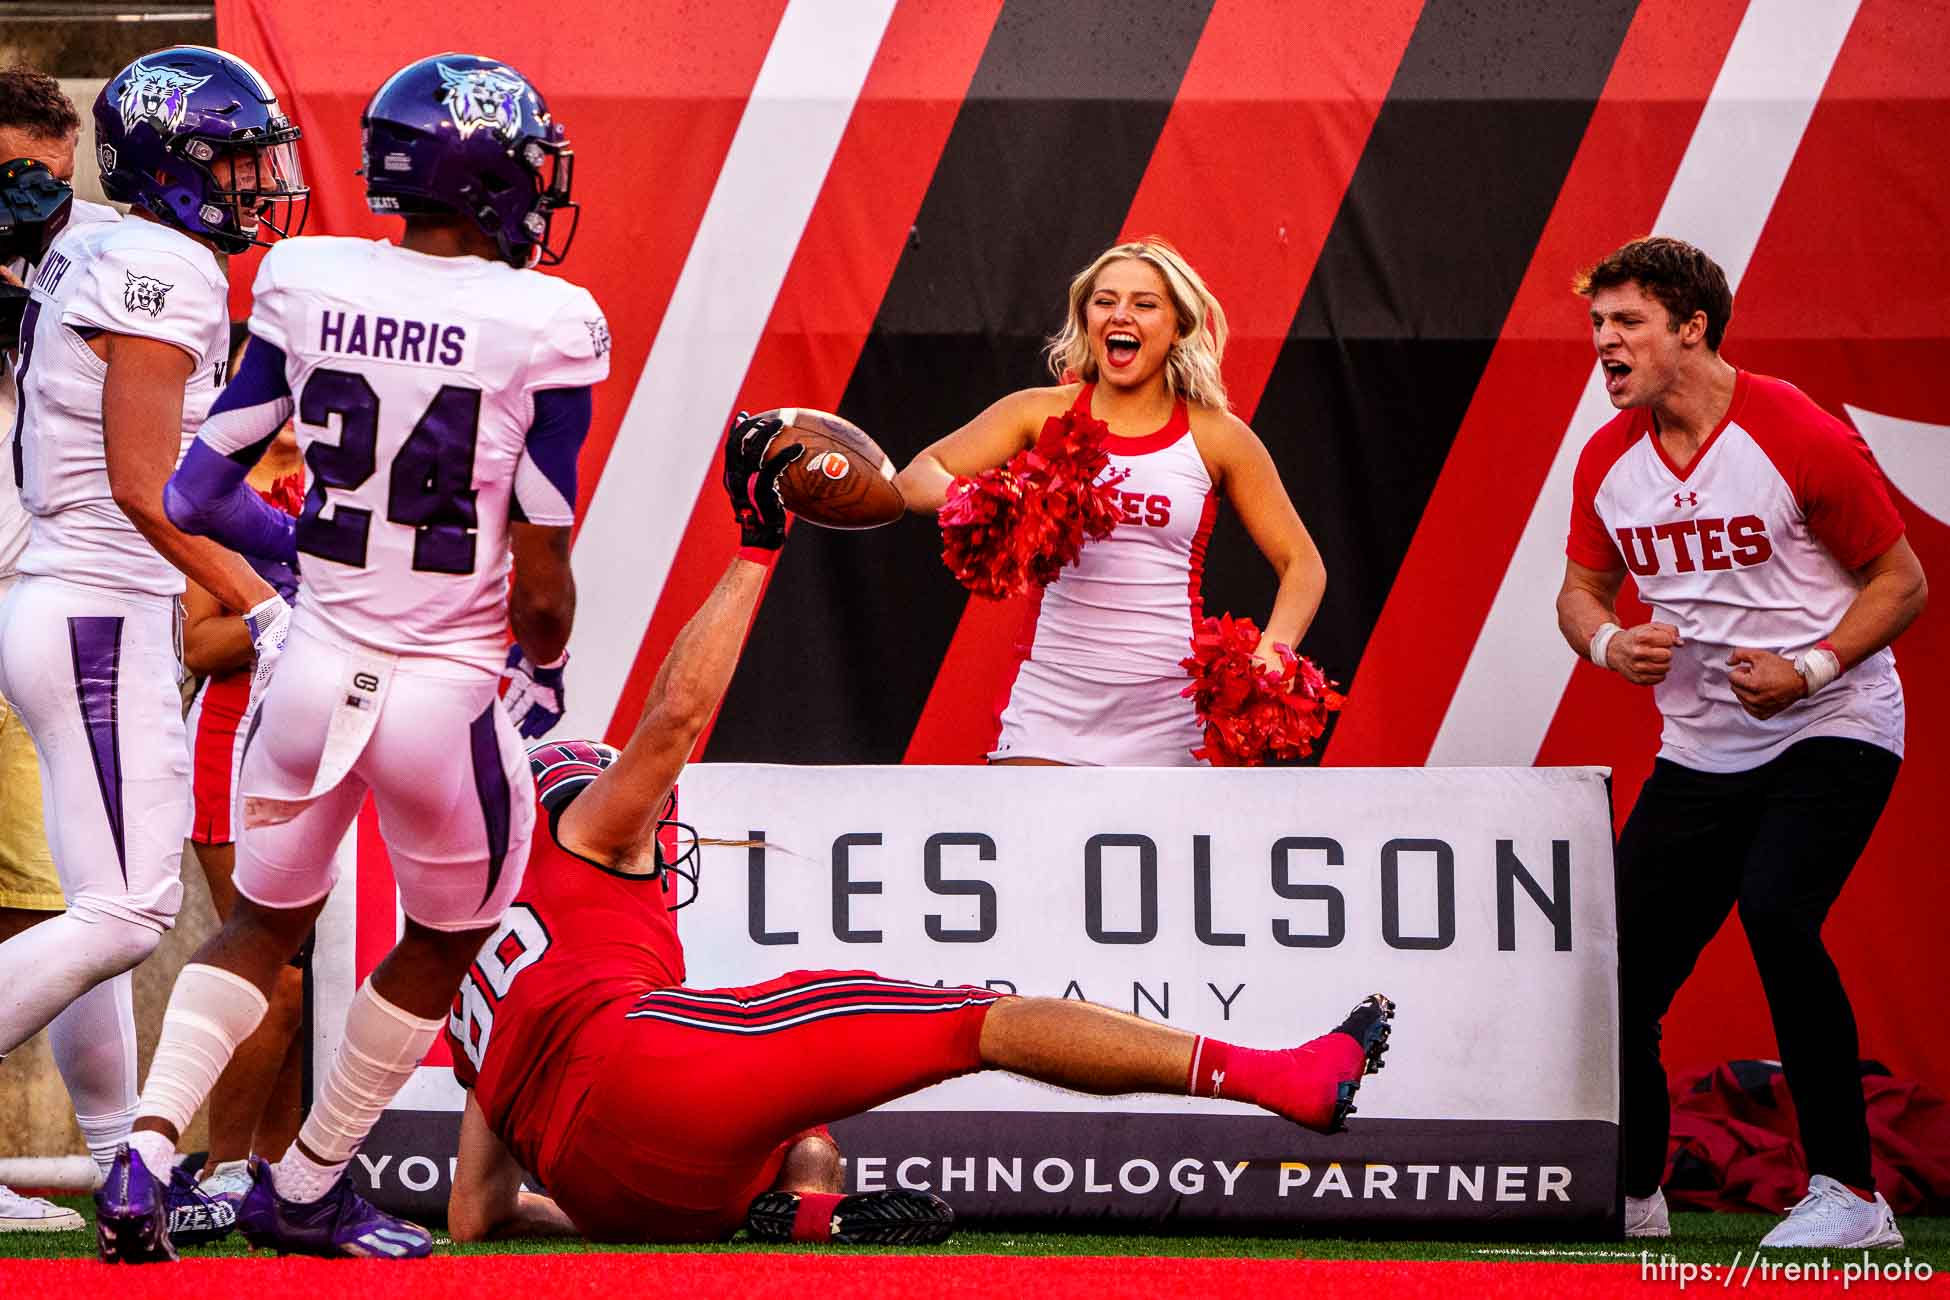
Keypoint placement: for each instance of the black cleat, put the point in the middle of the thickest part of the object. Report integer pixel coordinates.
(889, 1218)
(1368, 1025)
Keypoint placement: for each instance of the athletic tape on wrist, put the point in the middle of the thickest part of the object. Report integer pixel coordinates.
(1818, 667)
(1601, 641)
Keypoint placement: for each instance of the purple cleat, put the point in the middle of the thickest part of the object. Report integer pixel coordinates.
(196, 1218)
(131, 1214)
(339, 1225)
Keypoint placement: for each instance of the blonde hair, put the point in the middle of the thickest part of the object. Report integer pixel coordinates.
(1192, 365)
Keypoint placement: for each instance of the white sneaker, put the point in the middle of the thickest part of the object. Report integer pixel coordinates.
(1832, 1216)
(1645, 1216)
(35, 1214)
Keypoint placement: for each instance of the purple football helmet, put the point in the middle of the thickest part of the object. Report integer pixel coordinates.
(466, 134)
(195, 137)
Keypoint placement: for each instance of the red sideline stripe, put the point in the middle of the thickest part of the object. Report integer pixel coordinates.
(1249, 170)
(841, 1275)
(325, 69)
(1638, 132)
(845, 259)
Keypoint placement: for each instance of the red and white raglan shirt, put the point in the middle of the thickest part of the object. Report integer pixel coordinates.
(1752, 545)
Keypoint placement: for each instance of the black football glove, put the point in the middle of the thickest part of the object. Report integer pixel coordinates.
(752, 482)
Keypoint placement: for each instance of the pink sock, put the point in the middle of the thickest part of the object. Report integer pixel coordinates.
(1300, 1083)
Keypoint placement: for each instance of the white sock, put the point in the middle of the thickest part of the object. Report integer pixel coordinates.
(49, 965)
(381, 1047)
(297, 1177)
(211, 1010)
(158, 1152)
(93, 1042)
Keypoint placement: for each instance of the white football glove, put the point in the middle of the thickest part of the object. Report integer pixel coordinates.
(534, 697)
(268, 623)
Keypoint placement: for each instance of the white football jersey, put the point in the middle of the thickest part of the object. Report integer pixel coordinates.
(133, 277)
(13, 515)
(1751, 545)
(414, 381)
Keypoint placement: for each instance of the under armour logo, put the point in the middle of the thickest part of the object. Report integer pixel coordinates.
(1218, 1077)
(1685, 499)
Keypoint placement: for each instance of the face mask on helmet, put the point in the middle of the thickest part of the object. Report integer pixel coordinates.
(678, 856)
(563, 769)
(258, 192)
(553, 165)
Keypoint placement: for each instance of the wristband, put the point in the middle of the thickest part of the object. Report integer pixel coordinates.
(1818, 666)
(1601, 641)
(759, 555)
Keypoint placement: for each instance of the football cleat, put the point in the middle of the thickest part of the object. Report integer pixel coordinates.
(1327, 1071)
(889, 1218)
(131, 1214)
(196, 1218)
(1369, 1025)
(338, 1225)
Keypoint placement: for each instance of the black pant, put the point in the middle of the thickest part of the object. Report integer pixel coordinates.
(1779, 840)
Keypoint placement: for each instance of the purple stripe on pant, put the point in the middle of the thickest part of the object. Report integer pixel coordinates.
(491, 785)
(96, 644)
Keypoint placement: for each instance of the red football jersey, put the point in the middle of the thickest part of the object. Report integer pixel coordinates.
(578, 938)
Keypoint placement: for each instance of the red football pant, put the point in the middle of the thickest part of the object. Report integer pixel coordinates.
(700, 1091)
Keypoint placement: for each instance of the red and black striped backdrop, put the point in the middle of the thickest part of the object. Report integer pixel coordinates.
(873, 206)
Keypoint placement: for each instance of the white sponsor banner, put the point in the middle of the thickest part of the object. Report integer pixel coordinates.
(1256, 906)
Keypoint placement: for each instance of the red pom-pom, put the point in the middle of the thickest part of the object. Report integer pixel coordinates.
(1009, 529)
(977, 521)
(1252, 715)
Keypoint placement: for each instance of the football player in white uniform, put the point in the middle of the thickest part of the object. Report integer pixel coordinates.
(442, 392)
(93, 1040)
(122, 350)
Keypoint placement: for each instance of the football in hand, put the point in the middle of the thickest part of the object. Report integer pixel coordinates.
(843, 481)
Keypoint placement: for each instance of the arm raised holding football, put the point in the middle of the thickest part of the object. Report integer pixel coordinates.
(614, 821)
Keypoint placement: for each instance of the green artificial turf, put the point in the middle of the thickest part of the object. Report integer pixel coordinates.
(1697, 1238)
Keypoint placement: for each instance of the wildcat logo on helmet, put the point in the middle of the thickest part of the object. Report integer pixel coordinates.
(483, 97)
(159, 96)
(144, 293)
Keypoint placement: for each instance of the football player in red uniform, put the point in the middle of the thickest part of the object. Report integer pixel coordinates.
(656, 1112)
